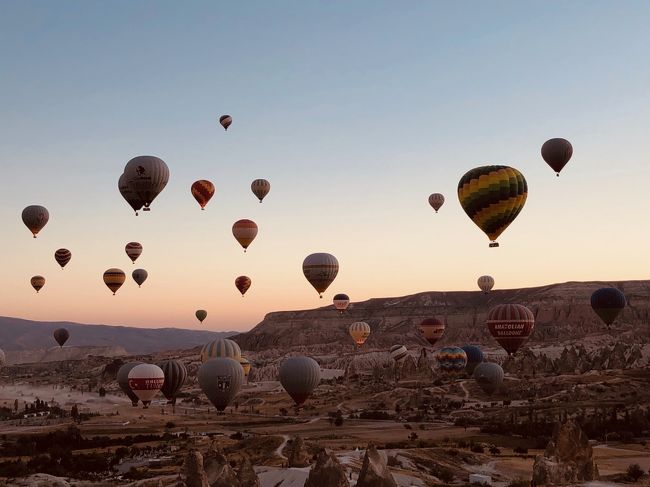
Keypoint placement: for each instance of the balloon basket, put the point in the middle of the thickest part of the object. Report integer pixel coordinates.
(494, 244)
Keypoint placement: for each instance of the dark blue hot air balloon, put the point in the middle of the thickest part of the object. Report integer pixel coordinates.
(474, 357)
(608, 302)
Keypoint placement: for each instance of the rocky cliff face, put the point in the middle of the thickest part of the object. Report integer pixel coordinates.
(327, 471)
(56, 354)
(562, 313)
(374, 471)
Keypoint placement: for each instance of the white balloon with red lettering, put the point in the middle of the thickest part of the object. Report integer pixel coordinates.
(145, 380)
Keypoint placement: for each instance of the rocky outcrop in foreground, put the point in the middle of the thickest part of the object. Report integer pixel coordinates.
(193, 470)
(216, 471)
(246, 474)
(327, 471)
(298, 455)
(568, 458)
(375, 471)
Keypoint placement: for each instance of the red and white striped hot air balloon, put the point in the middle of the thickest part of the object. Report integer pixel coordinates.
(133, 250)
(510, 325)
(245, 232)
(145, 380)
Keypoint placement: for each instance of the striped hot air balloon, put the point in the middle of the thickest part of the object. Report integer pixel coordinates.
(451, 361)
(147, 176)
(243, 283)
(145, 380)
(37, 282)
(139, 276)
(202, 190)
(341, 302)
(431, 329)
(221, 347)
(510, 325)
(225, 121)
(133, 250)
(398, 353)
(244, 232)
(260, 188)
(175, 376)
(436, 200)
(556, 153)
(35, 217)
(62, 257)
(485, 283)
(299, 376)
(114, 278)
(359, 331)
(220, 380)
(320, 269)
(493, 196)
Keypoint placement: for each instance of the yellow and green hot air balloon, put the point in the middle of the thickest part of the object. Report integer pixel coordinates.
(492, 196)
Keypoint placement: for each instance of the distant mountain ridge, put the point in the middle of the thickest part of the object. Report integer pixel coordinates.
(20, 335)
(562, 314)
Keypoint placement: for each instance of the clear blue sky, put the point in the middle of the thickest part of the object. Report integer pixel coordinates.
(355, 111)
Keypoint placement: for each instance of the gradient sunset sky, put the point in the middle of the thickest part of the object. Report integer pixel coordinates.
(354, 111)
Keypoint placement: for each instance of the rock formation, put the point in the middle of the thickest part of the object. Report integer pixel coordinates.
(218, 471)
(327, 471)
(193, 470)
(568, 458)
(298, 455)
(246, 474)
(375, 471)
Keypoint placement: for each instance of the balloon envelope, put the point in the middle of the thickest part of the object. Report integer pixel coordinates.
(243, 283)
(557, 152)
(114, 278)
(244, 232)
(474, 357)
(359, 331)
(260, 188)
(139, 276)
(492, 196)
(398, 353)
(320, 269)
(201, 314)
(341, 302)
(489, 377)
(607, 303)
(299, 376)
(431, 329)
(225, 121)
(202, 190)
(35, 217)
(133, 250)
(128, 194)
(147, 176)
(246, 365)
(221, 347)
(451, 360)
(37, 282)
(123, 381)
(175, 376)
(220, 380)
(485, 283)
(61, 336)
(145, 380)
(510, 325)
(62, 257)
(436, 200)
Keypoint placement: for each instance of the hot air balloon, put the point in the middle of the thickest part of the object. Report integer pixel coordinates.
(489, 377)
(114, 278)
(359, 331)
(608, 302)
(510, 325)
(299, 376)
(201, 314)
(38, 282)
(451, 361)
(129, 195)
(260, 188)
(474, 357)
(245, 232)
(341, 302)
(320, 270)
(220, 380)
(61, 336)
(133, 250)
(145, 380)
(62, 256)
(139, 276)
(246, 366)
(175, 375)
(398, 353)
(492, 196)
(556, 153)
(436, 200)
(221, 347)
(202, 190)
(35, 217)
(242, 283)
(431, 329)
(485, 283)
(123, 381)
(147, 176)
(225, 121)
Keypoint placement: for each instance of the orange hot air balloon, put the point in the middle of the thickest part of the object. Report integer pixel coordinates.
(37, 282)
(202, 190)
(133, 250)
(431, 329)
(243, 283)
(359, 331)
(114, 278)
(245, 232)
(225, 121)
